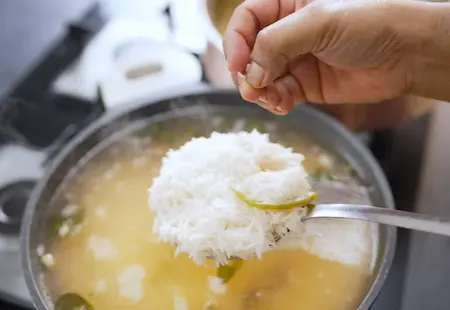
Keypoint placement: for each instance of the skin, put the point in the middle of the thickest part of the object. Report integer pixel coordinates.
(283, 52)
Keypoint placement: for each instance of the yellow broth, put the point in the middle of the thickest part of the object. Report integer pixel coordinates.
(129, 268)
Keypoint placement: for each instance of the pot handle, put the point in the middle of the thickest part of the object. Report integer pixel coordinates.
(141, 69)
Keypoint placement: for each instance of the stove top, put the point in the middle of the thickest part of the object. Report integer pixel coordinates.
(35, 123)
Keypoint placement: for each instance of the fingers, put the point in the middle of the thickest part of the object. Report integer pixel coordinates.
(261, 45)
(278, 98)
(289, 91)
(237, 51)
(261, 97)
(247, 20)
(297, 34)
(252, 94)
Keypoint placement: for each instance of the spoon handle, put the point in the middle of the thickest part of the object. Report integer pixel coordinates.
(403, 219)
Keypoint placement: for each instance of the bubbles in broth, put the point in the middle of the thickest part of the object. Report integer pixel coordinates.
(104, 252)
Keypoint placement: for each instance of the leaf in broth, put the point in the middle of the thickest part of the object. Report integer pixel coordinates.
(72, 301)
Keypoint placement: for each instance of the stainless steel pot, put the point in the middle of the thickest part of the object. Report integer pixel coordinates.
(357, 117)
(319, 126)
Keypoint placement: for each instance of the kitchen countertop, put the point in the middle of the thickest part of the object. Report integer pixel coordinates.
(33, 25)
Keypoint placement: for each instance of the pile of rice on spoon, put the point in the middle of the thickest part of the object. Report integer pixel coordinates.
(215, 197)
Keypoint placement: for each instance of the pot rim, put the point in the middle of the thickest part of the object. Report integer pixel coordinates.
(38, 297)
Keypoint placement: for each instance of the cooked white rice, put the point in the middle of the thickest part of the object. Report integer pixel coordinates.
(195, 204)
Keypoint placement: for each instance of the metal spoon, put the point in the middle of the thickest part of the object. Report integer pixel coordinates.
(403, 219)
(354, 204)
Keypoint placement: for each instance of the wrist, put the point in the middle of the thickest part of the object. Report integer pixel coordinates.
(427, 48)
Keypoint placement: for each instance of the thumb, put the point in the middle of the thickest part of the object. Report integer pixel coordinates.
(297, 34)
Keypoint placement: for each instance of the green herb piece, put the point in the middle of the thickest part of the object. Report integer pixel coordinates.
(159, 132)
(58, 221)
(226, 272)
(298, 202)
(72, 301)
(352, 171)
(321, 174)
(195, 131)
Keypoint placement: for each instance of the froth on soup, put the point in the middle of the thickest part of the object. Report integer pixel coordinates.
(103, 251)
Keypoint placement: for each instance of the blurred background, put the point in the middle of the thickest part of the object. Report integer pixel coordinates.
(63, 63)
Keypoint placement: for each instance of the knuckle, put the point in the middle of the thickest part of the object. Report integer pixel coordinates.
(322, 10)
(266, 42)
(328, 19)
(242, 9)
(327, 12)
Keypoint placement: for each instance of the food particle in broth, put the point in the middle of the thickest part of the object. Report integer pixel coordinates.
(100, 247)
(130, 282)
(48, 260)
(216, 284)
(180, 303)
(100, 286)
(286, 278)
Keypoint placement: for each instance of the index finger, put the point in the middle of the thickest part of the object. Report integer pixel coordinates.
(247, 20)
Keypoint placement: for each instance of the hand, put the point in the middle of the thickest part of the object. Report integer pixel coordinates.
(347, 51)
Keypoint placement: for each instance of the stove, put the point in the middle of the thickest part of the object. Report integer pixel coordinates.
(35, 122)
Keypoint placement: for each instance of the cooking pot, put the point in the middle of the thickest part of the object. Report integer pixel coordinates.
(205, 104)
(357, 117)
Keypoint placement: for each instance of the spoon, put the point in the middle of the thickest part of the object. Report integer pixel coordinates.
(355, 204)
(402, 219)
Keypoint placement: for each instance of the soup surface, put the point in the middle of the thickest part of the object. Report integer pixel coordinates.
(103, 248)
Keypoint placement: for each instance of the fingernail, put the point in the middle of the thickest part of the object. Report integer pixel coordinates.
(235, 79)
(248, 93)
(262, 101)
(279, 111)
(262, 104)
(224, 48)
(254, 75)
(240, 78)
(272, 95)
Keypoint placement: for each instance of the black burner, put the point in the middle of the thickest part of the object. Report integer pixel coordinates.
(13, 199)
